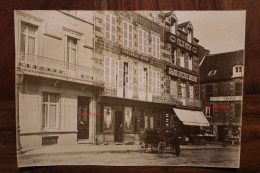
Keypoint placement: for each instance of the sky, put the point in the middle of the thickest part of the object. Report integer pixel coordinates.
(217, 31)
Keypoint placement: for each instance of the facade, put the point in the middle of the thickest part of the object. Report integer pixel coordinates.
(133, 71)
(221, 92)
(151, 66)
(54, 59)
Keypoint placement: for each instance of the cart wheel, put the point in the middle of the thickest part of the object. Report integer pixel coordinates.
(141, 148)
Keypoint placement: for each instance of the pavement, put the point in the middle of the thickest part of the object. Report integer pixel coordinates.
(112, 148)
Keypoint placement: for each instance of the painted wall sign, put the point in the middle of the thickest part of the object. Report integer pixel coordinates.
(173, 39)
(226, 98)
(177, 73)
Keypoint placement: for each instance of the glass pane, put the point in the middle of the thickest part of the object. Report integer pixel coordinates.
(31, 45)
(22, 43)
(73, 56)
(52, 116)
(45, 97)
(31, 30)
(145, 122)
(128, 119)
(44, 114)
(54, 98)
(107, 119)
(151, 122)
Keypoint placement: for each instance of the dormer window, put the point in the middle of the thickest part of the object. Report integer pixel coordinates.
(173, 28)
(189, 35)
(212, 72)
(238, 71)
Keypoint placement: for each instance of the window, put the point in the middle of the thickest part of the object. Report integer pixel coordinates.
(149, 122)
(173, 56)
(156, 46)
(107, 124)
(212, 72)
(238, 110)
(172, 29)
(128, 119)
(190, 62)
(182, 59)
(173, 88)
(209, 110)
(179, 87)
(128, 35)
(191, 92)
(189, 35)
(110, 27)
(209, 90)
(142, 41)
(142, 119)
(183, 90)
(238, 89)
(142, 82)
(50, 110)
(238, 71)
(71, 50)
(110, 71)
(28, 38)
(158, 120)
(155, 82)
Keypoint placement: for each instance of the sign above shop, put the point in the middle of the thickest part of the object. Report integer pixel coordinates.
(173, 39)
(177, 73)
(226, 98)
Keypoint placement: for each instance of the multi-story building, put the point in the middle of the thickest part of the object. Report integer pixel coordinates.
(151, 66)
(221, 92)
(57, 79)
(140, 69)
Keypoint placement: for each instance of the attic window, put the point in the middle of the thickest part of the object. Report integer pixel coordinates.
(212, 72)
(238, 71)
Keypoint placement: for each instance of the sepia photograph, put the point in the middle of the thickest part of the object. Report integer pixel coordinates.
(129, 88)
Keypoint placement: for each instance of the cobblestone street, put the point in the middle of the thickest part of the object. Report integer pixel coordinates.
(221, 157)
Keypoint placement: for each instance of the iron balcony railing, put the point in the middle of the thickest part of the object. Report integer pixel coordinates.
(56, 68)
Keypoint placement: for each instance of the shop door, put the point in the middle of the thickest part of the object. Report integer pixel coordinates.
(83, 118)
(119, 126)
(220, 133)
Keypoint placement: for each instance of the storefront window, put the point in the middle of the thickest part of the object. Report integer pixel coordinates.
(107, 119)
(128, 119)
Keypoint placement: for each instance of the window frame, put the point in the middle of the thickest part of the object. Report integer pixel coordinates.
(110, 34)
(144, 41)
(27, 35)
(46, 124)
(156, 42)
(69, 46)
(182, 59)
(129, 43)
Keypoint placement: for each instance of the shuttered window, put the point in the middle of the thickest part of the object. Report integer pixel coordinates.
(155, 82)
(128, 35)
(110, 27)
(156, 46)
(182, 59)
(110, 71)
(130, 80)
(142, 41)
(191, 92)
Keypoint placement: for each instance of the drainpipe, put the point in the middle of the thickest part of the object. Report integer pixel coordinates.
(94, 93)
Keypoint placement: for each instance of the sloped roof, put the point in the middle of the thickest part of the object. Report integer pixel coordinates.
(223, 63)
(183, 25)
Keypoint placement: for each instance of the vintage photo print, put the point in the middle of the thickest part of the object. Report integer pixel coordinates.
(129, 88)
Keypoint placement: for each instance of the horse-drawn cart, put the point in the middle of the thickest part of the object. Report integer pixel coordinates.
(155, 140)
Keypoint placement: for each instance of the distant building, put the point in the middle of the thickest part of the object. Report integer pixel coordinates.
(221, 77)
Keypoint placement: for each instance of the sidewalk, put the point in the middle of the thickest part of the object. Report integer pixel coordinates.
(86, 148)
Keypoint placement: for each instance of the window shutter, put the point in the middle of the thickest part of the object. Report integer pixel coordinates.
(191, 92)
(107, 70)
(140, 78)
(113, 28)
(154, 82)
(140, 40)
(113, 73)
(125, 34)
(107, 26)
(130, 36)
(120, 79)
(158, 47)
(130, 80)
(154, 45)
(145, 41)
(149, 80)
(158, 83)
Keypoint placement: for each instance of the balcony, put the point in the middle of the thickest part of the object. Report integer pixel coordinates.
(51, 68)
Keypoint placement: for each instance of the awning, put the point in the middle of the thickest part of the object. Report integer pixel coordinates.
(192, 118)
